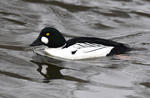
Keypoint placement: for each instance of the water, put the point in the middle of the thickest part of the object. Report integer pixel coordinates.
(25, 74)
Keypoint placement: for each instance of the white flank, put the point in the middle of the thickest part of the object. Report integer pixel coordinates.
(44, 40)
(81, 51)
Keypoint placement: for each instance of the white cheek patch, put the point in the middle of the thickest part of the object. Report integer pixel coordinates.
(44, 40)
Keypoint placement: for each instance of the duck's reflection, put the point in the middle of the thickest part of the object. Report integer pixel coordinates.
(51, 69)
(50, 72)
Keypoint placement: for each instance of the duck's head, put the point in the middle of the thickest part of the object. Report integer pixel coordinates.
(49, 37)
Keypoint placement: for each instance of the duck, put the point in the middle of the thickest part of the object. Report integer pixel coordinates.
(79, 47)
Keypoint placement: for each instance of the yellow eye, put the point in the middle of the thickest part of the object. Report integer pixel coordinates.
(47, 34)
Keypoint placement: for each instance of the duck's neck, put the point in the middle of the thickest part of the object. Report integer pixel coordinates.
(57, 43)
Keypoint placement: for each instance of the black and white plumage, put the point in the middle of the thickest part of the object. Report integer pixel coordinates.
(77, 48)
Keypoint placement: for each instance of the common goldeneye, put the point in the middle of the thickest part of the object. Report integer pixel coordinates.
(77, 48)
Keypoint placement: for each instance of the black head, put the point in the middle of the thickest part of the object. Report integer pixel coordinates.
(49, 37)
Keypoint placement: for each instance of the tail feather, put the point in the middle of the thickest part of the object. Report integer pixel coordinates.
(120, 50)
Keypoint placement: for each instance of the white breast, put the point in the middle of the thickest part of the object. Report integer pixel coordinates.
(80, 51)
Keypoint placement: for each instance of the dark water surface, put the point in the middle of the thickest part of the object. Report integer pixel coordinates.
(24, 74)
